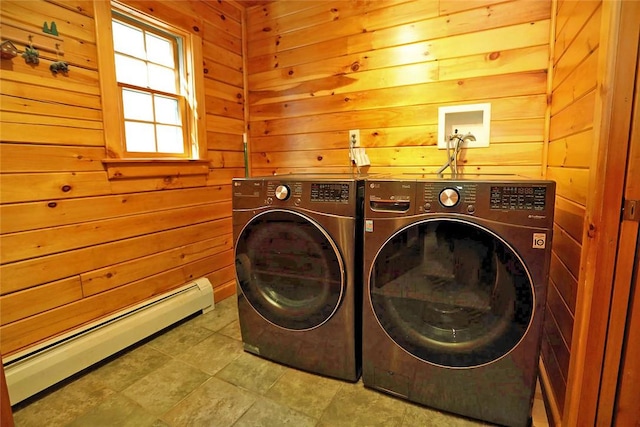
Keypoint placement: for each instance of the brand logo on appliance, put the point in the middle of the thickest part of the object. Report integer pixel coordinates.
(539, 240)
(406, 186)
(537, 216)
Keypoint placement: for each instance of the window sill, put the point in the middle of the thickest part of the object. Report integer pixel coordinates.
(148, 168)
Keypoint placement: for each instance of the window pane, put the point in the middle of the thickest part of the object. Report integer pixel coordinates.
(127, 39)
(131, 71)
(169, 139)
(137, 105)
(160, 50)
(162, 78)
(167, 110)
(140, 137)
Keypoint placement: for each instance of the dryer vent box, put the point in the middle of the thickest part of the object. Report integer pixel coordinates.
(465, 119)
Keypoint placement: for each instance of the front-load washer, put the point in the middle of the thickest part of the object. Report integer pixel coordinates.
(297, 244)
(455, 276)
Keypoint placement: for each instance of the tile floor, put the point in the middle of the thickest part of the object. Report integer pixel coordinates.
(196, 374)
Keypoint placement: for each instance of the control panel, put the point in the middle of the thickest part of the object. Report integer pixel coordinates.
(329, 192)
(513, 197)
(510, 201)
(308, 191)
(501, 197)
(448, 197)
(331, 195)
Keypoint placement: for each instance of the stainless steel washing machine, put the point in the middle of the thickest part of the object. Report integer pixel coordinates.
(297, 243)
(455, 273)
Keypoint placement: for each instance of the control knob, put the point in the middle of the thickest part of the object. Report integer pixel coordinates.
(282, 192)
(449, 197)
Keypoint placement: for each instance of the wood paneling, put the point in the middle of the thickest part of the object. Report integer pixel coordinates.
(40, 215)
(76, 243)
(36, 243)
(25, 274)
(556, 343)
(116, 275)
(19, 305)
(317, 70)
(569, 156)
(585, 160)
(606, 267)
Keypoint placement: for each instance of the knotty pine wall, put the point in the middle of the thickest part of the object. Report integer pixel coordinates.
(75, 245)
(317, 69)
(571, 141)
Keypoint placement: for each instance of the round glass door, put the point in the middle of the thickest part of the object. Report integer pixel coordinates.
(289, 270)
(451, 293)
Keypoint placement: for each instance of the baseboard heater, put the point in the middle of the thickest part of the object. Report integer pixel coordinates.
(42, 366)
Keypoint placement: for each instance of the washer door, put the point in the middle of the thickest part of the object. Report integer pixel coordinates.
(289, 270)
(451, 293)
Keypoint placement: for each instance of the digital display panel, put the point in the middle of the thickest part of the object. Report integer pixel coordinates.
(329, 192)
(528, 198)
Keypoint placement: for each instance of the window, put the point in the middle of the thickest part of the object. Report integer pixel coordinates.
(149, 87)
(148, 73)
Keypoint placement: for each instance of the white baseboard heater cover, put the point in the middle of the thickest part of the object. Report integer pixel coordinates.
(42, 366)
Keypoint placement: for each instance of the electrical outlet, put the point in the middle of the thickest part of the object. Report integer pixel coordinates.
(354, 138)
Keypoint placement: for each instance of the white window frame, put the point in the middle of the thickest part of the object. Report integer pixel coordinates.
(113, 117)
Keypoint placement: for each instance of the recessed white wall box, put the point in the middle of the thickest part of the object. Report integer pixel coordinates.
(468, 119)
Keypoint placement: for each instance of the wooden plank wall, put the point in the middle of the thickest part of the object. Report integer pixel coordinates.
(76, 246)
(571, 141)
(317, 69)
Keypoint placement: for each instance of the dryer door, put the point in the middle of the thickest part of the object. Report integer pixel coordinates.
(451, 293)
(289, 269)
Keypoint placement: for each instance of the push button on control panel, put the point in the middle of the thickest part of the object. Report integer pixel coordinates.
(449, 197)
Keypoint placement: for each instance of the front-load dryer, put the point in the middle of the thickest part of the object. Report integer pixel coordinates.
(455, 276)
(297, 245)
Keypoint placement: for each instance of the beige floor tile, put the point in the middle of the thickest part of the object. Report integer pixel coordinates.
(213, 353)
(117, 411)
(304, 392)
(266, 413)
(128, 368)
(425, 417)
(232, 330)
(224, 312)
(354, 405)
(62, 404)
(193, 376)
(252, 373)
(214, 404)
(165, 387)
(179, 339)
